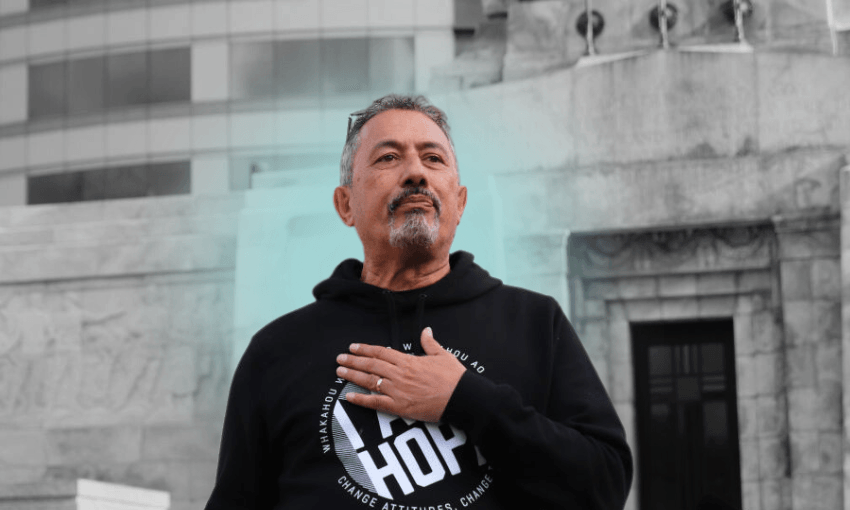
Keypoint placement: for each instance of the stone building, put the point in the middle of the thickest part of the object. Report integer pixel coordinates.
(684, 204)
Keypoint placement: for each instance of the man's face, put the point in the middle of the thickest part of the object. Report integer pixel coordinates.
(405, 191)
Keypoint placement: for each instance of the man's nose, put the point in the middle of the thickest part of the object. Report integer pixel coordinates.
(414, 174)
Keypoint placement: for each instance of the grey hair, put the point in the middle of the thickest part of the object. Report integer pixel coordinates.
(388, 102)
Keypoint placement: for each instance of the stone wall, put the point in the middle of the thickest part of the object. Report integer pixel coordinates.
(115, 329)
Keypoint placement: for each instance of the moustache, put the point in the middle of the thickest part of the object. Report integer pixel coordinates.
(396, 202)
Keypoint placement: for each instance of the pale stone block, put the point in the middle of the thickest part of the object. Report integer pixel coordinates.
(799, 322)
(682, 308)
(644, 309)
(815, 408)
(47, 148)
(742, 325)
(210, 64)
(532, 254)
(299, 127)
(746, 376)
(769, 372)
(750, 456)
(391, 13)
(796, 278)
(601, 289)
(773, 456)
(85, 143)
(828, 361)
(22, 448)
(750, 281)
(716, 283)
(202, 479)
(431, 48)
(641, 287)
(296, 15)
(13, 43)
(209, 18)
(622, 383)
(811, 244)
(46, 37)
(830, 447)
(716, 306)
(817, 492)
(826, 321)
(15, 475)
(253, 129)
(677, 285)
(616, 312)
(772, 420)
(766, 332)
(801, 366)
(434, 13)
(826, 279)
(13, 7)
(55, 214)
(181, 442)
(127, 139)
(210, 175)
(751, 495)
(805, 452)
(14, 151)
(86, 32)
(126, 27)
(170, 135)
(170, 22)
(13, 191)
(344, 13)
(209, 132)
(593, 308)
(748, 413)
(13, 94)
(250, 16)
(776, 493)
(94, 444)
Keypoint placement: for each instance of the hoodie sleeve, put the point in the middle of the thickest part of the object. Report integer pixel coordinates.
(244, 478)
(573, 454)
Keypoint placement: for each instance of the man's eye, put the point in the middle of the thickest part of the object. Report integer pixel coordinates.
(435, 159)
(387, 157)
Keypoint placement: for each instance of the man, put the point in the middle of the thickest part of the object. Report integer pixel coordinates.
(351, 402)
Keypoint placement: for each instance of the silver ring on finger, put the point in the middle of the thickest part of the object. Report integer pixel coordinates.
(378, 385)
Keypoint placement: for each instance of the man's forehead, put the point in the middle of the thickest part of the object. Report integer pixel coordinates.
(397, 125)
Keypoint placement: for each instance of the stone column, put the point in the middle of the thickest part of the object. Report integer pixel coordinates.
(844, 184)
(810, 271)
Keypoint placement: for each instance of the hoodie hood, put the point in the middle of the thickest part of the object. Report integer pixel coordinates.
(466, 281)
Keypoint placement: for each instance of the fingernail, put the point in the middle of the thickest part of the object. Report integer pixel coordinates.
(429, 330)
(354, 347)
(342, 358)
(340, 371)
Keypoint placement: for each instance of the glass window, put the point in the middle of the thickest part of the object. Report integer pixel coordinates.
(127, 79)
(170, 75)
(345, 65)
(391, 64)
(252, 70)
(170, 178)
(47, 94)
(155, 179)
(86, 85)
(297, 66)
(55, 188)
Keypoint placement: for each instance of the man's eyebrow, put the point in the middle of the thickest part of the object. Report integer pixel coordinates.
(394, 144)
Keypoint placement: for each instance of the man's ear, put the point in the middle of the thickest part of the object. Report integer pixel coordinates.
(342, 204)
(461, 202)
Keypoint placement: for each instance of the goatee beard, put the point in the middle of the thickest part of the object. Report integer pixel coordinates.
(415, 232)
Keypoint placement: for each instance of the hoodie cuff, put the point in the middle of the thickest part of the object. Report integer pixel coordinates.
(472, 403)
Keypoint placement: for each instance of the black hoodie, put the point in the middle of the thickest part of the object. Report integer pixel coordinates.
(528, 426)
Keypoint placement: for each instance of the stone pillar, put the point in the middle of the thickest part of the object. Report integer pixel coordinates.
(844, 184)
(81, 494)
(810, 271)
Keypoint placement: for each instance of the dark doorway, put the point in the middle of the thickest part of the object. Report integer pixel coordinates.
(687, 416)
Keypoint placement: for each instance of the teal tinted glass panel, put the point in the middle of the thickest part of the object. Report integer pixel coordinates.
(86, 80)
(127, 79)
(47, 90)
